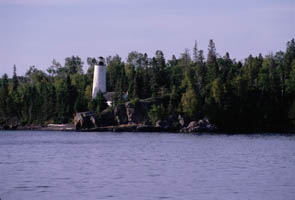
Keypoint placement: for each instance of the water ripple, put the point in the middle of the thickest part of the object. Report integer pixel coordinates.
(57, 165)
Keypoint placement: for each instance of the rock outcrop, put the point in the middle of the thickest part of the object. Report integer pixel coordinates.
(162, 124)
(202, 125)
(85, 120)
(133, 116)
(120, 114)
(137, 112)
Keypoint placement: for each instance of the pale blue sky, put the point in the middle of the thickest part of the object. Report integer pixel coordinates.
(33, 32)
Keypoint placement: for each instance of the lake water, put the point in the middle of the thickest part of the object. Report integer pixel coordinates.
(72, 165)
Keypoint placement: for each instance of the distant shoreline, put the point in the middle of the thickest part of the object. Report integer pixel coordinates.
(135, 128)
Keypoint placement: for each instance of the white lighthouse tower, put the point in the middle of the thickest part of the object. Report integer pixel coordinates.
(99, 77)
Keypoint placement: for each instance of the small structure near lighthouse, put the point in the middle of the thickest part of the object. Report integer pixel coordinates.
(99, 77)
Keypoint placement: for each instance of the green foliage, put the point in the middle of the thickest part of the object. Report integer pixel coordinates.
(115, 74)
(258, 93)
(189, 103)
(173, 100)
(4, 104)
(98, 104)
(156, 113)
(290, 83)
(64, 100)
(74, 65)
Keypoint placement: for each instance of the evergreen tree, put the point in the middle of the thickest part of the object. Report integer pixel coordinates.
(99, 104)
(4, 98)
(195, 53)
(256, 93)
(14, 79)
(211, 58)
(66, 96)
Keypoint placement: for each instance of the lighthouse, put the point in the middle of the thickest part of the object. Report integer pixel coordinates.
(99, 77)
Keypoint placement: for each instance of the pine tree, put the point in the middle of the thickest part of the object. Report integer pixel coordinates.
(101, 103)
(4, 97)
(195, 53)
(211, 58)
(14, 79)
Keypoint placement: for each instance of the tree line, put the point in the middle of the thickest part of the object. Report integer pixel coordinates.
(258, 92)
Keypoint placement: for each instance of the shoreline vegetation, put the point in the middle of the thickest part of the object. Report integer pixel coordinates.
(187, 94)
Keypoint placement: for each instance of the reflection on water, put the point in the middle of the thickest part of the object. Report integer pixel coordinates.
(70, 165)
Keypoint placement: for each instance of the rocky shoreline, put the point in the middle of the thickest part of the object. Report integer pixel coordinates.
(71, 127)
(49, 127)
(139, 128)
(161, 126)
(134, 117)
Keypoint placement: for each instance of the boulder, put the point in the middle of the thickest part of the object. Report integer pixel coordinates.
(202, 125)
(192, 127)
(206, 126)
(163, 124)
(84, 120)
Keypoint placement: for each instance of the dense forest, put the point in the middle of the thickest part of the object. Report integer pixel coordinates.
(256, 93)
